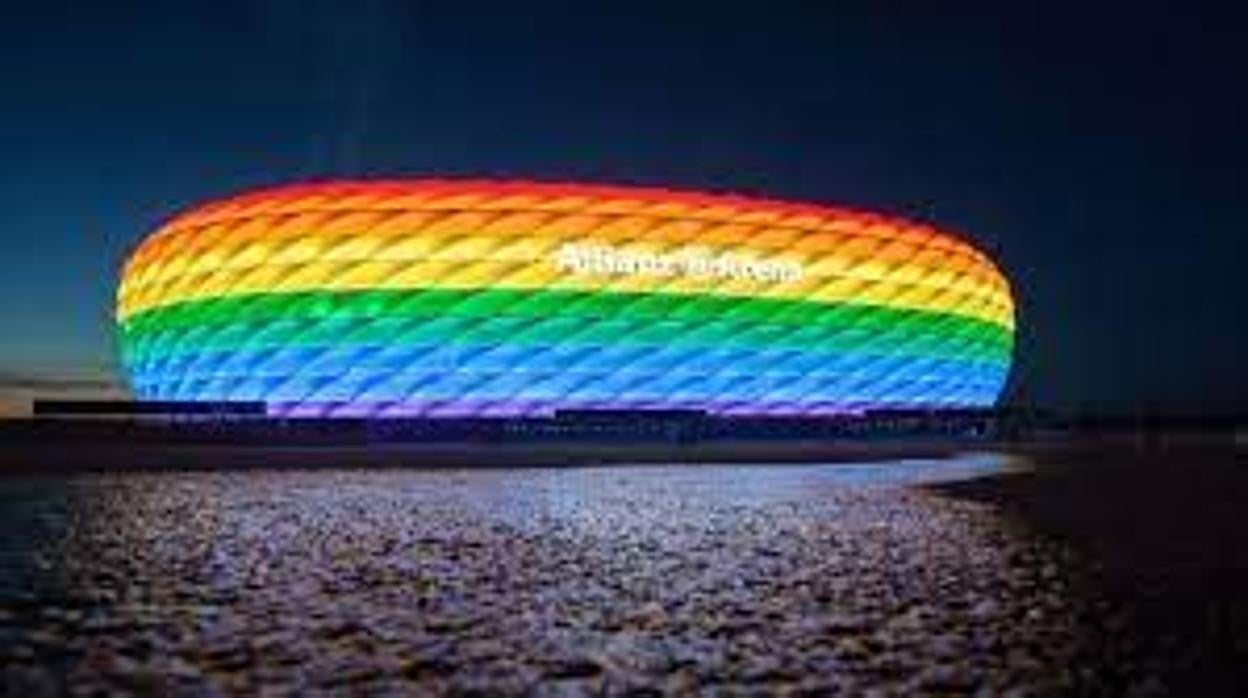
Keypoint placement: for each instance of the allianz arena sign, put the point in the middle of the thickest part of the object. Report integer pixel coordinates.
(600, 258)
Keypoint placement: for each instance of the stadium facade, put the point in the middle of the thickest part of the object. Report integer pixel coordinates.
(482, 298)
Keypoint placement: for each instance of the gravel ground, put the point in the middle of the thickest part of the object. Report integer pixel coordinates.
(675, 579)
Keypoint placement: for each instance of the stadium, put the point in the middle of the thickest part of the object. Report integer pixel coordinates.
(471, 298)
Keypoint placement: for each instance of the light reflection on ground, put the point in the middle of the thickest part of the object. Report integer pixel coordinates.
(819, 577)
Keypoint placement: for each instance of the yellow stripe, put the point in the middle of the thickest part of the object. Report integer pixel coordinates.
(942, 292)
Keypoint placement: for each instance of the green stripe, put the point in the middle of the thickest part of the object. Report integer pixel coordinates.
(544, 317)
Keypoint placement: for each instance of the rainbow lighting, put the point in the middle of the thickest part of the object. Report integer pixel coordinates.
(431, 297)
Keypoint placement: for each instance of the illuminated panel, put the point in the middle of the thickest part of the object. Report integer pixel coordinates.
(428, 297)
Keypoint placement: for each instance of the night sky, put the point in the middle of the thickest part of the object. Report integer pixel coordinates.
(1096, 151)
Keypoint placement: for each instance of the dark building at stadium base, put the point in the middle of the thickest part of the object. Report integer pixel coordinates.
(249, 422)
(111, 422)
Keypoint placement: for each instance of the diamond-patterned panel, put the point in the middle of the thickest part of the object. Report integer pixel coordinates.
(436, 297)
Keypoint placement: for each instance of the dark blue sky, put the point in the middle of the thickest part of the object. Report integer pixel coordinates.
(1096, 150)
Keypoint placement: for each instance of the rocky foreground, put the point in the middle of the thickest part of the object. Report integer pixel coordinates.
(750, 579)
